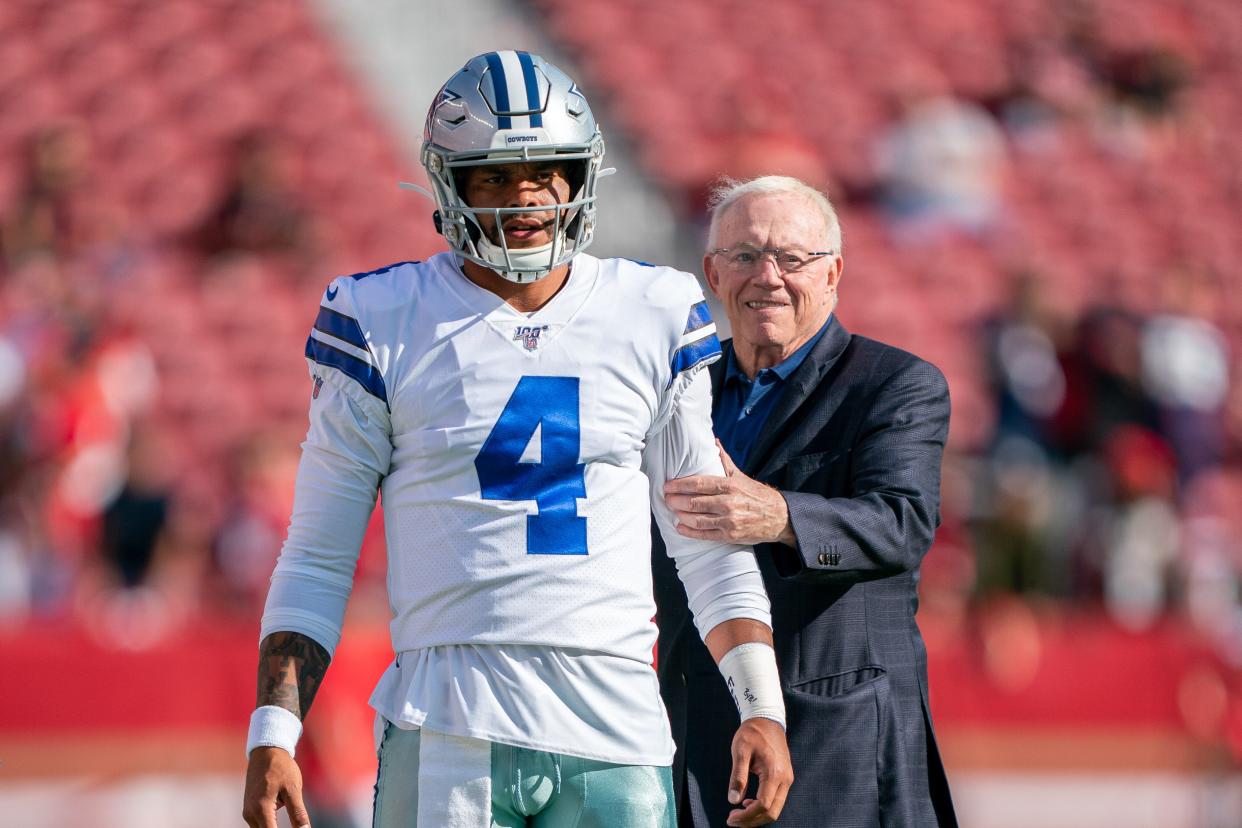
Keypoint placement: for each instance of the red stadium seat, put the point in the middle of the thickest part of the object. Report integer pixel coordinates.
(68, 24)
(34, 103)
(153, 25)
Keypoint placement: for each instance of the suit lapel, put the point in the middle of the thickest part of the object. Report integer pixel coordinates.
(800, 385)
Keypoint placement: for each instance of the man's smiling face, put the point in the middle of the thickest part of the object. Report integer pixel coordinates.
(771, 310)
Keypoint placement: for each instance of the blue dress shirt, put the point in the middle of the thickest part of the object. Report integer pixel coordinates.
(745, 403)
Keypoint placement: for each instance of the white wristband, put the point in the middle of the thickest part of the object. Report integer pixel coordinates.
(750, 672)
(272, 726)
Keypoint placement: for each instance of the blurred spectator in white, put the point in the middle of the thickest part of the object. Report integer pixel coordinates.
(1186, 371)
(1141, 530)
(1211, 560)
(1023, 359)
(941, 166)
(55, 339)
(115, 387)
(16, 575)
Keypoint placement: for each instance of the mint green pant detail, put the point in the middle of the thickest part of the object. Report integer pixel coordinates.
(532, 789)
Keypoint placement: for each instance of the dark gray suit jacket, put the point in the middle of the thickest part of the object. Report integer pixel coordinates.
(854, 445)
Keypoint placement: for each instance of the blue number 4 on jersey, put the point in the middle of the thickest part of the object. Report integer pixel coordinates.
(549, 404)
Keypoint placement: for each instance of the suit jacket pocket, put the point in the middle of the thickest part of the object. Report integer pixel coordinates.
(844, 728)
(836, 740)
(839, 684)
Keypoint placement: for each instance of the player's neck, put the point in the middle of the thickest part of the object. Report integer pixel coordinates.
(524, 298)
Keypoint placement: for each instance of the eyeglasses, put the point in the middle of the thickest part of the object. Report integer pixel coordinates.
(745, 258)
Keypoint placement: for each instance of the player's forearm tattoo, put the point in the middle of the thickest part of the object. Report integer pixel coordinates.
(291, 668)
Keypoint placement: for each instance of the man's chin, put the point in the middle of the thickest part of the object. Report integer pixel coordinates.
(765, 333)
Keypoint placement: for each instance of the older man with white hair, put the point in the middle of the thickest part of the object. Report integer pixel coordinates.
(832, 445)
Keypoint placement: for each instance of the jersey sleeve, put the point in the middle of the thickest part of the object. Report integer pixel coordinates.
(698, 345)
(346, 454)
(690, 336)
(339, 340)
(722, 580)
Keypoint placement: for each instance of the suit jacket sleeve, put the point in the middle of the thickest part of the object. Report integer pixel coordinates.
(886, 524)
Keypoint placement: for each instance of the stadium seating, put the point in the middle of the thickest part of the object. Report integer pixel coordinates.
(164, 90)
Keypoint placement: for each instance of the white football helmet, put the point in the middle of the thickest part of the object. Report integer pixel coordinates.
(503, 108)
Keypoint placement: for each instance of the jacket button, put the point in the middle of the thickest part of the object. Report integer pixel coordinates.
(823, 558)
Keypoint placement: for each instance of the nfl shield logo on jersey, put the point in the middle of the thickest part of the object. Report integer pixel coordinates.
(529, 334)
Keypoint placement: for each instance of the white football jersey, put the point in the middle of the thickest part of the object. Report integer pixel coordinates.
(519, 457)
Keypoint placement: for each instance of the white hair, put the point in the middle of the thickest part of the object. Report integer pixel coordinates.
(728, 191)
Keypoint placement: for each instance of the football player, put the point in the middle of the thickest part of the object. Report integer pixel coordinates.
(519, 405)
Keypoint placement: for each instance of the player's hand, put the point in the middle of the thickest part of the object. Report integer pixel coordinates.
(273, 781)
(759, 747)
(734, 508)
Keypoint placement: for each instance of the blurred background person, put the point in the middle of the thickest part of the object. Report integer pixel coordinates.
(941, 164)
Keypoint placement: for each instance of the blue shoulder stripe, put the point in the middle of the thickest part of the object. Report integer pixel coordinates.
(348, 364)
(688, 356)
(364, 274)
(343, 327)
(700, 317)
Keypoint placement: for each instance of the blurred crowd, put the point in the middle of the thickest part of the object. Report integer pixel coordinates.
(1101, 462)
(1114, 471)
(98, 512)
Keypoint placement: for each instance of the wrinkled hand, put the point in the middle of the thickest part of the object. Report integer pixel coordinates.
(734, 508)
(273, 781)
(759, 747)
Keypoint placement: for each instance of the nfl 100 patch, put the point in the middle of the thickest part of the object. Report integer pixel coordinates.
(529, 335)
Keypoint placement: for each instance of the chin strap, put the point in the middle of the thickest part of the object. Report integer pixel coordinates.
(537, 259)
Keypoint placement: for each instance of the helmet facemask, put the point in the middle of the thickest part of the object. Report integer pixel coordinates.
(573, 221)
(512, 108)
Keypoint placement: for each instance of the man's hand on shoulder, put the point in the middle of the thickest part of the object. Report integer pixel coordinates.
(759, 747)
(273, 781)
(734, 508)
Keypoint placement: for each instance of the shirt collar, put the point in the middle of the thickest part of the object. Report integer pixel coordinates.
(783, 369)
